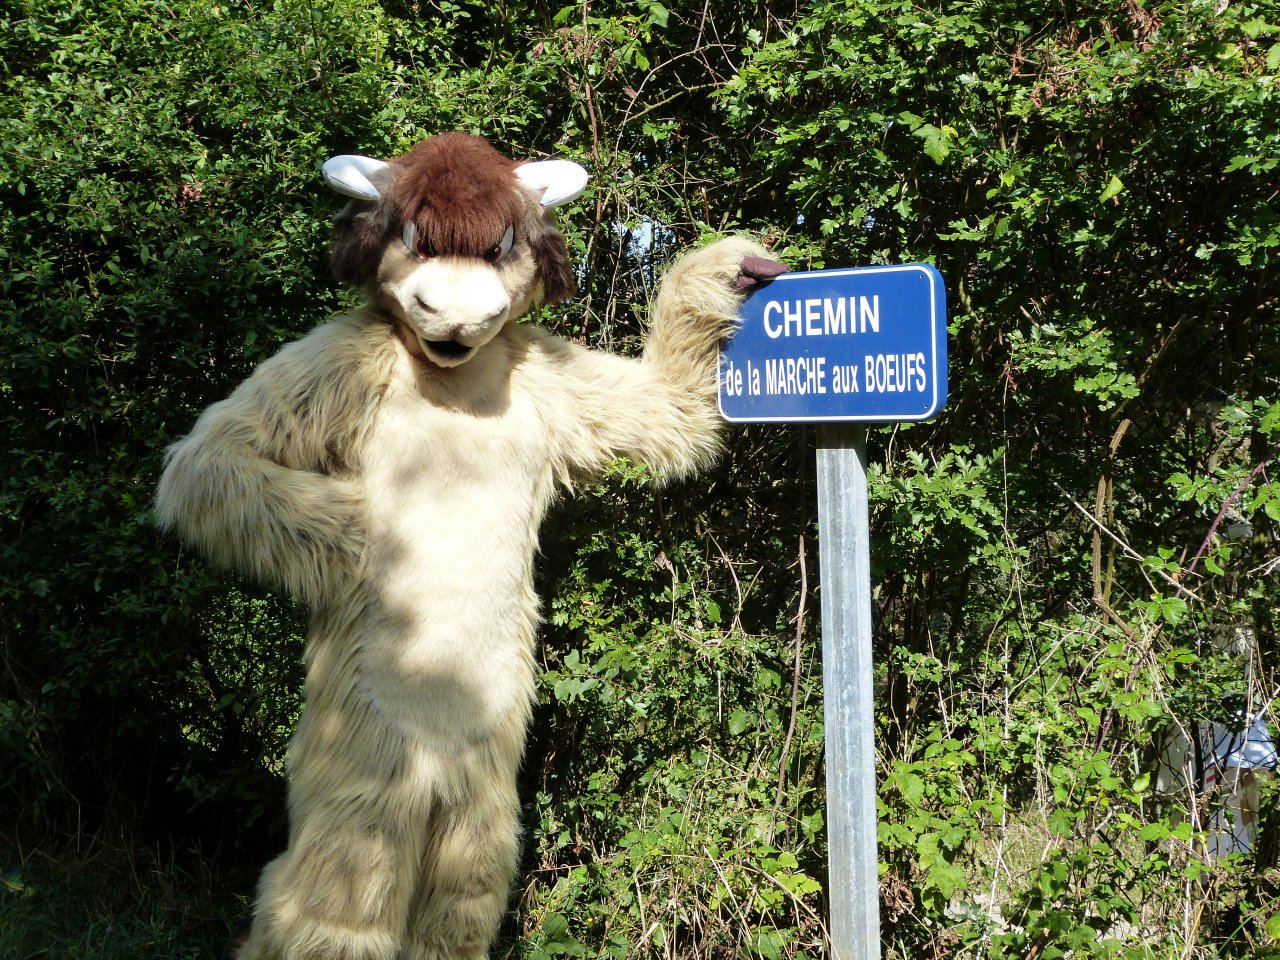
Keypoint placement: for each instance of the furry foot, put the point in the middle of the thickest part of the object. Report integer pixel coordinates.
(238, 938)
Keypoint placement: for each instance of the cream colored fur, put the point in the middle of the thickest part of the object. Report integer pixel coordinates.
(402, 501)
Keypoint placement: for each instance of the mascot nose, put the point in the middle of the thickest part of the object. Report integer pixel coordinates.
(482, 312)
(454, 296)
(456, 324)
(425, 305)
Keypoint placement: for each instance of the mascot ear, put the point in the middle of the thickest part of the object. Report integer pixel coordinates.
(354, 176)
(556, 181)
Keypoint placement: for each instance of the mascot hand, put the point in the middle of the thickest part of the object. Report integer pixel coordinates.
(756, 271)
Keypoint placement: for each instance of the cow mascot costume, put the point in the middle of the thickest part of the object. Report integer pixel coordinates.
(391, 469)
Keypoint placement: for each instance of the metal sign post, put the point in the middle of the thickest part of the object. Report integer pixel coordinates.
(841, 348)
(844, 555)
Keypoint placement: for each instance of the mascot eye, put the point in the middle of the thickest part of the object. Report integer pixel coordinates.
(419, 246)
(500, 249)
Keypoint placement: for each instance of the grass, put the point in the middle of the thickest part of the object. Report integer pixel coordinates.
(110, 902)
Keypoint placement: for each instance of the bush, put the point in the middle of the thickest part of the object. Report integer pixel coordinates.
(1078, 553)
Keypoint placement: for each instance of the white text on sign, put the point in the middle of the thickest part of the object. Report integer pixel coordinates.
(822, 317)
(801, 376)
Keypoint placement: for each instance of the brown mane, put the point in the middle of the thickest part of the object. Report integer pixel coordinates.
(460, 193)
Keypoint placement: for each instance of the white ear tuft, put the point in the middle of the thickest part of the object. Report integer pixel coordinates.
(351, 175)
(558, 180)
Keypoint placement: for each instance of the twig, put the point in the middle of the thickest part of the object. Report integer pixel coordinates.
(1226, 505)
(1105, 512)
(1128, 550)
(795, 691)
(737, 585)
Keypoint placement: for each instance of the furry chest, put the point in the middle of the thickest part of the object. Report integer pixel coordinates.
(454, 498)
(438, 477)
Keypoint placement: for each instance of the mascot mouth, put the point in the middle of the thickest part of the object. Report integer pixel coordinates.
(449, 349)
(446, 353)
(440, 353)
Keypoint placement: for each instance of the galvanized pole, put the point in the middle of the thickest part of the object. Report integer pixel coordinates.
(844, 550)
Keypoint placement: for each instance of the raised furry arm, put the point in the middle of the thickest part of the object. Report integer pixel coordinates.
(260, 482)
(659, 410)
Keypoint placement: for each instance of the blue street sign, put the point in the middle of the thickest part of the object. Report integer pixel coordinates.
(857, 344)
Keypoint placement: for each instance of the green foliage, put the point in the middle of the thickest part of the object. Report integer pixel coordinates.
(1079, 553)
(660, 823)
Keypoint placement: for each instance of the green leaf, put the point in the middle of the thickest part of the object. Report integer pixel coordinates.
(1153, 832)
(1113, 189)
(946, 878)
(911, 785)
(555, 927)
(1272, 926)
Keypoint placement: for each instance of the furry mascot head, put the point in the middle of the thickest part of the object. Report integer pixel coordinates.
(425, 232)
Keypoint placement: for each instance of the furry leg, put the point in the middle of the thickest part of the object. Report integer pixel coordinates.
(466, 878)
(337, 893)
(342, 889)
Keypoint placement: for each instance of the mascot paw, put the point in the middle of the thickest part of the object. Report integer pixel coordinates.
(756, 271)
(706, 286)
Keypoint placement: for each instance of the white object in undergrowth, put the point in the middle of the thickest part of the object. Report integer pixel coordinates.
(1218, 770)
(1233, 760)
